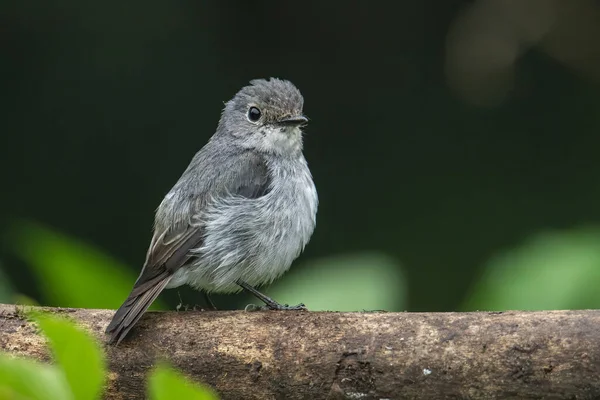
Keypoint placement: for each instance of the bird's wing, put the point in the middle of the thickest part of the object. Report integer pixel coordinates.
(170, 250)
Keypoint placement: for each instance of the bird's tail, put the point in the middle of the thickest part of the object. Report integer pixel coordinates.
(140, 298)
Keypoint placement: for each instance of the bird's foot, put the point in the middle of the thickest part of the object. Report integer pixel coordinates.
(285, 307)
(276, 307)
(270, 304)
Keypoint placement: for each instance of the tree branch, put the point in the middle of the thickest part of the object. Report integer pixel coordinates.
(328, 355)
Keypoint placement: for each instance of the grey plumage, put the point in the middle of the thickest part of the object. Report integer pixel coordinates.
(241, 212)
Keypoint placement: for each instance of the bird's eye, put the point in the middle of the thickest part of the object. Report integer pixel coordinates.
(254, 114)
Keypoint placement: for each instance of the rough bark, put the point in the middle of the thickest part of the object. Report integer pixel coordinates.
(329, 355)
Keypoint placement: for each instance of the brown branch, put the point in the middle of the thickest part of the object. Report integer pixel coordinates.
(318, 355)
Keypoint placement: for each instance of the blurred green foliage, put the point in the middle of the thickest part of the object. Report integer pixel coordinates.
(77, 355)
(551, 270)
(80, 370)
(26, 379)
(71, 273)
(351, 282)
(165, 383)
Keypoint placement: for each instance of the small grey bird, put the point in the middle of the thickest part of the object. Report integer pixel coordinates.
(242, 211)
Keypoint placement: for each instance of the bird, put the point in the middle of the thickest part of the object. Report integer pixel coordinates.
(242, 211)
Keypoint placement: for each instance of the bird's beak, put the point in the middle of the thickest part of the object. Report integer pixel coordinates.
(298, 120)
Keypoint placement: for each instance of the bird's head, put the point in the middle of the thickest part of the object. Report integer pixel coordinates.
(266, 116)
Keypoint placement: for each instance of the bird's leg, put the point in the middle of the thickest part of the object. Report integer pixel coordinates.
(270, 303)
(209, 301)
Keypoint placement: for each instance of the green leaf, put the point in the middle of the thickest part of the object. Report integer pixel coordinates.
(22, 379)
(166, 384)
(77, 354)
(72, 273)
(552, 270)
(366, 281)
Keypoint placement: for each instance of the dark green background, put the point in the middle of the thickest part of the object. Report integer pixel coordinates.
(104, 104)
